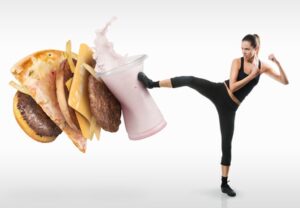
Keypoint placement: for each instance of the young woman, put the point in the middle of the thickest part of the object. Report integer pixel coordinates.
(227, 96)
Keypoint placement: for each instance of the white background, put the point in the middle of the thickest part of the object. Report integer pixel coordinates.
(179, 166)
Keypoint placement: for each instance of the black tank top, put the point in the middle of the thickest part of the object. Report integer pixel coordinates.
(244, 91)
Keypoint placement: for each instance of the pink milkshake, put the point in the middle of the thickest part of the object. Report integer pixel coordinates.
(141, 115)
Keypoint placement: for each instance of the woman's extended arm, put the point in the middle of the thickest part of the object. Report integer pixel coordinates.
(281, 77)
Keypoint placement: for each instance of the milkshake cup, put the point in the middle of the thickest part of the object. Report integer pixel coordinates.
(141, 115)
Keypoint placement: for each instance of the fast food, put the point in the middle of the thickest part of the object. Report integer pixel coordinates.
(55, 85)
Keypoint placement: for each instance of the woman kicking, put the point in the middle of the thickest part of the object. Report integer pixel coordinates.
(227, 96)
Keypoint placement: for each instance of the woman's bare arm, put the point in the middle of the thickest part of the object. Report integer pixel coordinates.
(281, 76)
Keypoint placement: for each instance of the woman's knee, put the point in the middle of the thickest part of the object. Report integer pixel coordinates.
(182, 81)
(190, 81)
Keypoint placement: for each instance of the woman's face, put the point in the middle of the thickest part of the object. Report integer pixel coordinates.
(248, 50)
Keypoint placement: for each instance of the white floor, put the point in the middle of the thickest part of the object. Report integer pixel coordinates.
(151, 173)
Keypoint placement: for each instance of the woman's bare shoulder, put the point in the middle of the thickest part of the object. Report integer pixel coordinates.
(236, 62)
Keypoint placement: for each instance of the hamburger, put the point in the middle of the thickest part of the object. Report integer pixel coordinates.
(56, 93)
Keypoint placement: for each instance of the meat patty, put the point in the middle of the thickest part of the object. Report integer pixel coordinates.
(35, 117)
(104, 105)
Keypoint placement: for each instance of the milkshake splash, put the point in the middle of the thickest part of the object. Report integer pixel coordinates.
(105, 56)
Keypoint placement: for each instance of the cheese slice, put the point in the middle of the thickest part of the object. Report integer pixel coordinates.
(78, 97)
(84, 125)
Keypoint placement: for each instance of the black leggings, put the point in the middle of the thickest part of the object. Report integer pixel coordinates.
(226, 107)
